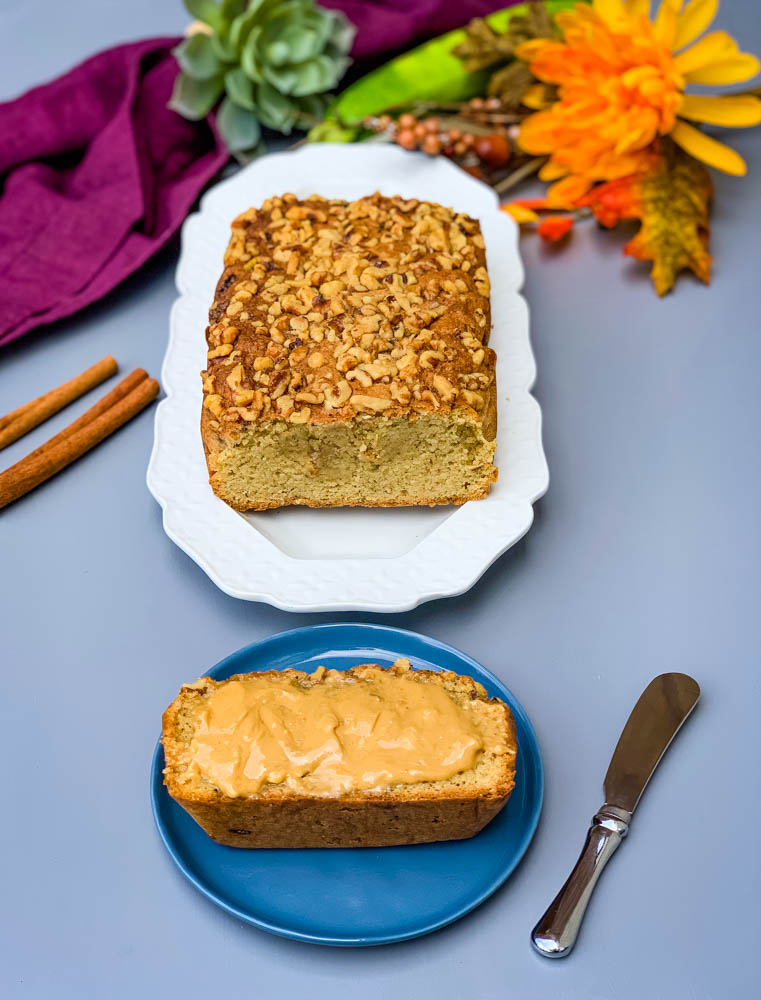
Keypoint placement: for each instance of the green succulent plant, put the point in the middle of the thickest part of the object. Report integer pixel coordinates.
(270, 61)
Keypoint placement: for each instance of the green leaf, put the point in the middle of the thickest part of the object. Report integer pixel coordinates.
(232, 9)
(313, 77)
(275, 109)
(222, 48)
(310, 111)
(238, 127)
(282, 78)
(194, 99)
(318, 75)
(207, 11)
(314, 104)
(196, 57)
(241, 27)
(249, 57)
(287, 10)
(331, 131)
(278, 52)
(340, 30)
(300, 43)
(240, 89)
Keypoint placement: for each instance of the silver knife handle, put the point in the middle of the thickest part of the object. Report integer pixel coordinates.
(555, 934)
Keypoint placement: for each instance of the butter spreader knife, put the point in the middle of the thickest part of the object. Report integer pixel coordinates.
(655, 720)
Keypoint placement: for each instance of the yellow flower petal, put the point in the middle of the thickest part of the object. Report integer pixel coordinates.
(665, 21)
(733, 69)
(519, 213)
(708, 150)
(535, 97)
(638, 8)
(740, 111)
(613, 12)
(694, 20)
(552, 171)
(717, 45)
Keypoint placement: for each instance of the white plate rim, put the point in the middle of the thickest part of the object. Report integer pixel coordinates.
(240, 560)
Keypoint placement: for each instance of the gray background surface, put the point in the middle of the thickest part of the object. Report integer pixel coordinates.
(643, 557)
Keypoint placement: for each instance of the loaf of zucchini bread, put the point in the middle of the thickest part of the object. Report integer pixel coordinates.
(348, 359)
(367, 757)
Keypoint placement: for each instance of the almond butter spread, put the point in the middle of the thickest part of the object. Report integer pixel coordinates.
(332, 737)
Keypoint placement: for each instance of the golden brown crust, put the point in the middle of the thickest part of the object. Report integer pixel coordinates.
(404, 814)
(323, 823)
(328, 309)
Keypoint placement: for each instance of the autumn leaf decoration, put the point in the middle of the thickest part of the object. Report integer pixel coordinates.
(615, 125)
(484, 48)
(672, 203)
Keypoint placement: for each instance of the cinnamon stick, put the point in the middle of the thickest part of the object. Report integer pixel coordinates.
(42, 464)
(118, 392)
(14, 414)
(23, 419)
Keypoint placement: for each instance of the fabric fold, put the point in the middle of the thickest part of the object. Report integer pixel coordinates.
(97, 174)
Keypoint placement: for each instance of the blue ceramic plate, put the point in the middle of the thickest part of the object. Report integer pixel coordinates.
(358, 896)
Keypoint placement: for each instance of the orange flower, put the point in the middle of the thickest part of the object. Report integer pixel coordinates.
(621, 81)
(553, 228)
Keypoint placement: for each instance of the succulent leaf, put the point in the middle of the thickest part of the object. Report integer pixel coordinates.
(232, 9)
(249, 58)
(238, 127)
(270, 60)
(313, 76)
(240, 89)
(222, 47)
(341, 31)
(241, 27)
(207, 11)
(193, 98)
(276, 110)
(197, 57)
(283, 78)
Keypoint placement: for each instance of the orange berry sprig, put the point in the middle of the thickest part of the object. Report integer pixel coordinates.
(433, 136)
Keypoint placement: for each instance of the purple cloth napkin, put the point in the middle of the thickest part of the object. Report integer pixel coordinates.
(384, 25)
(98, 173)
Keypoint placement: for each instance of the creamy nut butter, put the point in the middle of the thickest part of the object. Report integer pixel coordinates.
(339, 735)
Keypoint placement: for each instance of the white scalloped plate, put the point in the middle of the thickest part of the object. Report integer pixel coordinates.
(345, 559)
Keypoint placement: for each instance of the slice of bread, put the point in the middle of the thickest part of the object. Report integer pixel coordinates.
(369, 757)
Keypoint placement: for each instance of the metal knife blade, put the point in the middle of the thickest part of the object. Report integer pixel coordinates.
(663, 707)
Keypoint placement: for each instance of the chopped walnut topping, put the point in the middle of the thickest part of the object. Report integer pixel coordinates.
(444, 388)
(375, 306)
(400, 393)
(214, 403)
(358, 375)
(220, 352)
(372, 403)
(338, 396)
(474, 399)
